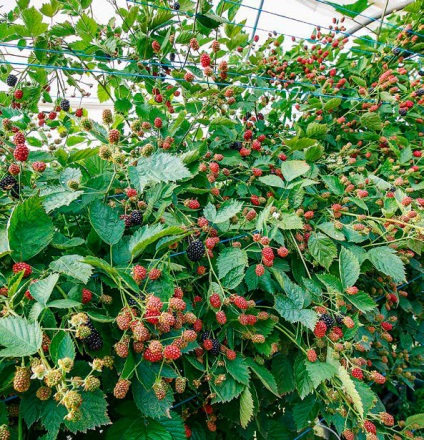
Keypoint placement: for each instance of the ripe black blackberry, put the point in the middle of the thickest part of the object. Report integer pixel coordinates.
(195, 250)
(176, 6)
(339, 319)
(7, 183)
(14, 192)
(403, 111)
(172, 56)
(327, 320)
(94, 341)
(136, 218)
(205, 335)
(11, 80)
(420, 92)
(421, 73)
(65, 105)
(132, 302)
(237, 145)
(215, 347)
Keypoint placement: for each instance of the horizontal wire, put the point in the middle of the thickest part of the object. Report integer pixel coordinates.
(169, 78)
(288, 18)
(366, 16)
(161, 64)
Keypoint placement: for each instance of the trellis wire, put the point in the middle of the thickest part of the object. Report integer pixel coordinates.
(288, 18)
(138, 75)
(158, 64)
(343, 8)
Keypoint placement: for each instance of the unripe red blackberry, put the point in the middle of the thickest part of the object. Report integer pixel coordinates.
(43, 393)
(114, 136)
(21, 153)
(180, 384)
(107, 116)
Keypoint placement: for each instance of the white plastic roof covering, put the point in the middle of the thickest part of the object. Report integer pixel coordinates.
(311, 11)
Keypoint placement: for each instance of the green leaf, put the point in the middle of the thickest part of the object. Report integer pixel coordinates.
(33, 21)
(290, 221)
(103, 92)
(19, 336)
(322, 249)
(63, 304)
(334, 184)
(73, 266)
(371, 121)
(106, 222)
(237, 368)
(283, 372)
(302, 412)
(174, 425)
(147, 402)
(272, 180)
(161, 167)
(320, 372)
(93, 412)
(349, 268)
(332, 104)
(30, 229)
(385, 260)
(329, 229)
(265, 376)
(292, 311)
(351, 9)
(41, 290)
(86, 28)
(227, 210)
(231, 263)
(351, 391)
(316, 130)
(314, 153)
(294, 168)
(362, 301)
(246, 407)
(75, 140)
(148, 235)
(4, 242)
(62, 346)
(227, 390)
(61, 242)
(300, 144)
(415, 422)
(55, 198)
(304, 384)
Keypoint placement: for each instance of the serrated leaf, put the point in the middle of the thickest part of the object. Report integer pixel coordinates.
(63, 304)
(283, 372)
(19, 337)
(322, 249)
(264, 375)
(292, 169)
(73, 266)
(415, 422)
(330, 229)
(246, 407)
(231, 263)
(62, 346)
(304, 384)
(320, 372)
(349, 386)
(58, 198)
(106, 222)
(290, 221)
(30, 229)
(371, 121)
(272, 180)
(227, 390)
(161, 167)
(302, 412)
(316, 130)
(334, 184)
(300, 144)
(237, 368)
(349, 268)
(292, 312)
(33, 21)
(147, 402)
(362, 301)
(148, 235)
(314, 153)
(227, 210)
(385, 260)
(332, 104)
(42, 289)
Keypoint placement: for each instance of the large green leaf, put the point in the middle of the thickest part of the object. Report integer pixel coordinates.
(73, 266)
(385, 260)
(106, 222)
(19, 337)
(415, 422)
(349, 268)
(237, 368)
(322, 249)
(30, 229)
(362, 301)
(161, 167)
(231, 263)
(62, 346)
(33, 21)
(264, 375)
(227, 210)
(246, 407)
(320, 371)
(371, 121)
(350, 389)
(41, 290)
(294, 168)
(148, 235)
